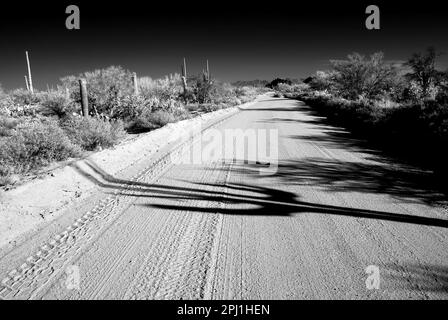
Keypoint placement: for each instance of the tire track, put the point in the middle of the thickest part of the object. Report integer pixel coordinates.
(35, 275)
(189, 254)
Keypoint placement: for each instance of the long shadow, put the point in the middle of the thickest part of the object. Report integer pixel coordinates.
(274, 202)
(411, 146)
(402, 182)
(419, 278)
(329, 134)
(107, 181)
(331, 138)
(264, 201)
(397, 175)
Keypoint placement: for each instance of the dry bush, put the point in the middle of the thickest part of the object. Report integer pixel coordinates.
(35, 143)
(104, 86)
(7, 124)
(56, 103)
(90, 133)
(165, 91)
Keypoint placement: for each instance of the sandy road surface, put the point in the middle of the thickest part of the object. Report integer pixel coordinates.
(220, 230)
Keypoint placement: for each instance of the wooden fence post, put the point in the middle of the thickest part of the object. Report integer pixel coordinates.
(135, 83)
(84, 97)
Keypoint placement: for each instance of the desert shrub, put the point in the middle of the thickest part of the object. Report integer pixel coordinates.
(19, 103)
(193, 107)
(203, 90)
(322, 81)
(56, 103)
(6, 173)
(292, 91)
(442, 96)
(90, 133)
(210, 107)
(141, 123)
(161, 118)
(221, 94)
(23, 97)
(274, 83)
(165, 92)
(435, 114)
(247, 93)
(7, 124)
(149, 120)
(131, 106)
(243, 91)
(5, 104)
(168, 87)
(104, 87)
(33, 144)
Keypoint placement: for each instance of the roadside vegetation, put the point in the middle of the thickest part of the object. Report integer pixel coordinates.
(401, 107)
(45, 126)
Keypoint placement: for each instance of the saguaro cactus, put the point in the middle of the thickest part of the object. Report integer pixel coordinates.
(184, 69)
(84, 97)
(208, 71)
(135, 83)
(30, 80)
(184, 79)
(26, 83)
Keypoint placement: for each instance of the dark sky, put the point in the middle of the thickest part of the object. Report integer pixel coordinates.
(242, 40)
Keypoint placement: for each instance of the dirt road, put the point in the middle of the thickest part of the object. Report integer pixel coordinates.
(220, 230)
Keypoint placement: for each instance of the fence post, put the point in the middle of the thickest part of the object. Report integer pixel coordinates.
(30, 80)
(135, 83)
(84, 99)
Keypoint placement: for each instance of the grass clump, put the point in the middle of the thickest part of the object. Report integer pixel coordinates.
(92, 133)
(33, 144)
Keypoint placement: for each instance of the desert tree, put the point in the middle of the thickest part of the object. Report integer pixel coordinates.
(424, 71)
(322, 81)
(359, 76)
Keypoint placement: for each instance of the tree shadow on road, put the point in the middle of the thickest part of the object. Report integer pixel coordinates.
(241, 199)
(416, 278)
(401, 182)
(380, 170)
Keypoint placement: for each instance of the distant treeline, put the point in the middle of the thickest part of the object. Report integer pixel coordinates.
(251, 83)
(265, 83)
(401, 107)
